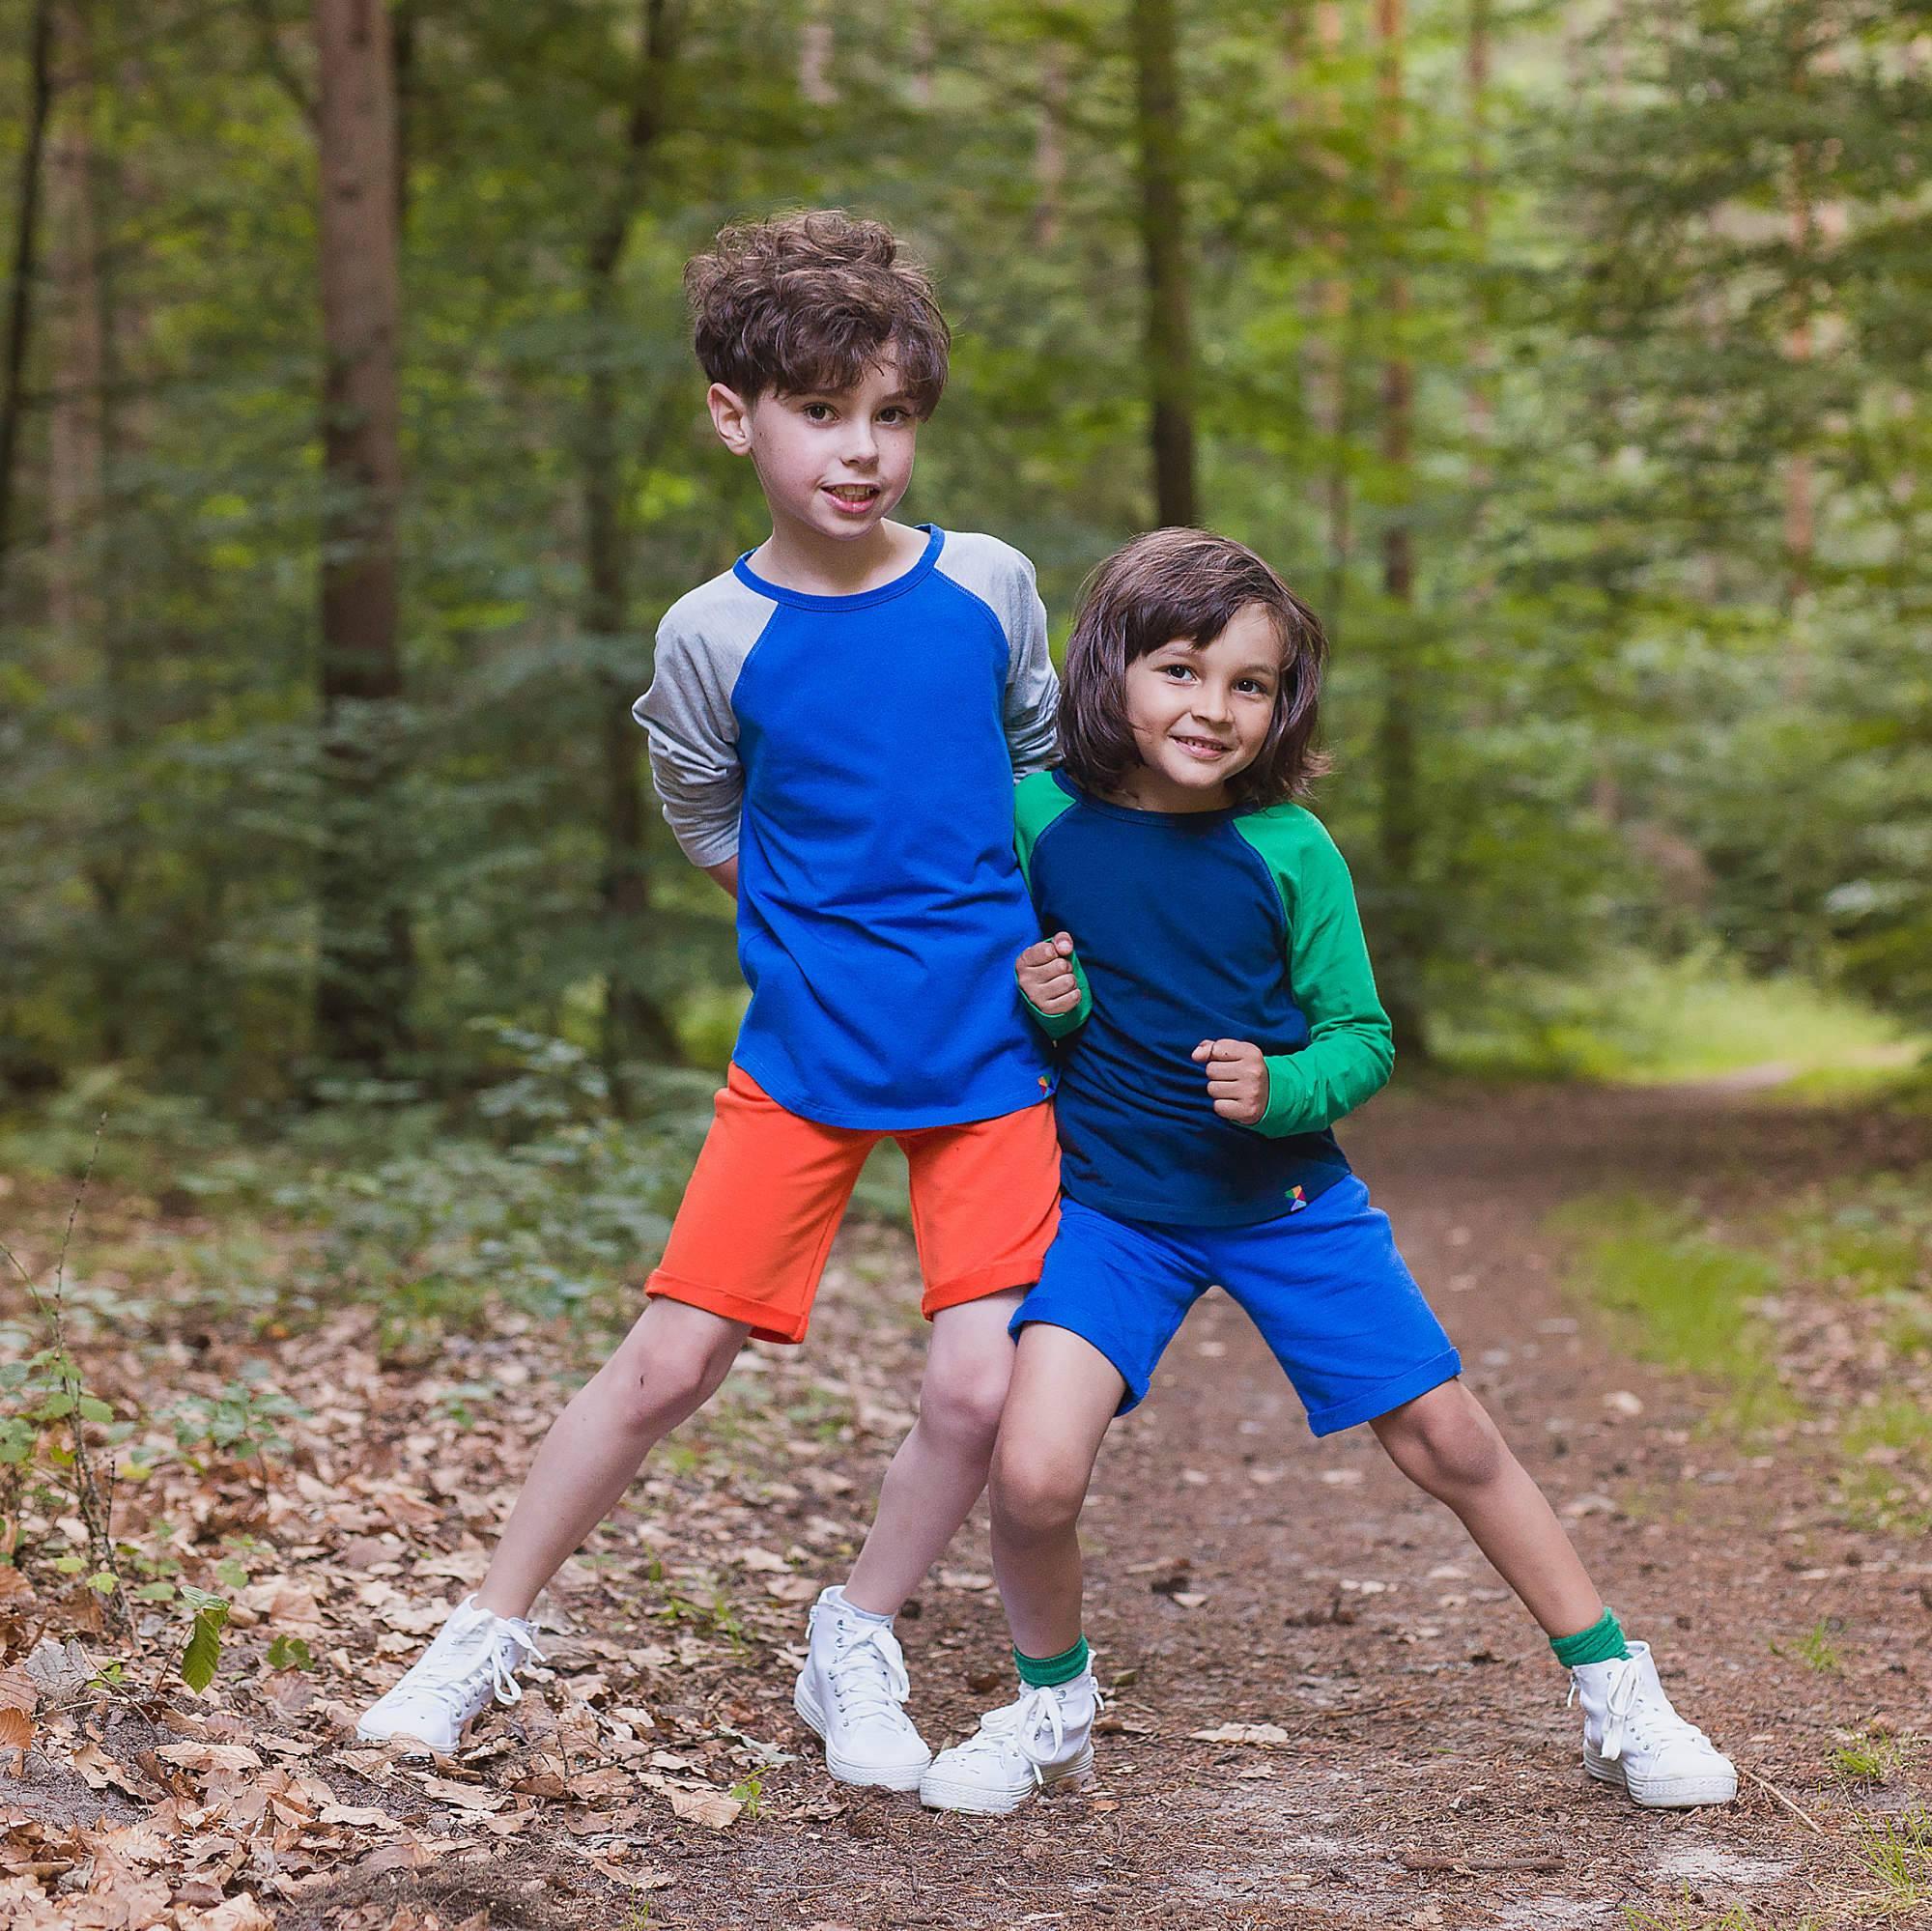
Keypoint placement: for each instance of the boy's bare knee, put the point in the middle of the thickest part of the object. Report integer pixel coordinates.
(963, 1407)
(1030, 1501)
(666, 1383)
(1448, 1446)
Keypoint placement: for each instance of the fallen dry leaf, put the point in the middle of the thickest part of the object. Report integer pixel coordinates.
(1242, 1733)
(208, 1757)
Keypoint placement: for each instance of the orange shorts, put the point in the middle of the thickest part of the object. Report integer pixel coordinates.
(770, 1189)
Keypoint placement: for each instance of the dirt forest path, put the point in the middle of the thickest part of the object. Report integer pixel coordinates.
(1241, 1574)
(1421, 1771)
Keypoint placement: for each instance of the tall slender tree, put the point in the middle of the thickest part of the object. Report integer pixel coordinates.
(1170, 333)
(1400, 828)
(633, 1023)
(27, 198)
(365, 964)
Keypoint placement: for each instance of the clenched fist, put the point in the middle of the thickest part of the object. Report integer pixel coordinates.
(1046, 974)
(1238, 1079)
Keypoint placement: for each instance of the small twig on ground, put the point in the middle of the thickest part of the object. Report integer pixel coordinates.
(1804, 1816)
(1474, 1867)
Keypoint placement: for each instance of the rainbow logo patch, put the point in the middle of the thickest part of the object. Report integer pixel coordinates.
(1296, 1200)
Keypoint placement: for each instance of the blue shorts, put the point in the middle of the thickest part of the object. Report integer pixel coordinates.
(1330, 1294)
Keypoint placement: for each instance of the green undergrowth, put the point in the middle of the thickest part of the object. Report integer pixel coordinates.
(1853, 1254)
(1700, 1018)
(1682, 1299)
(529, 1193)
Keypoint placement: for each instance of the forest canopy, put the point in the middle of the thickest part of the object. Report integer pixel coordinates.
(1570, 359)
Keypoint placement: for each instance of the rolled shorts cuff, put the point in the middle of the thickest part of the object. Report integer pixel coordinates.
(1387, 1395)
(727, 1306)
(977, 1286)
(1036, 1313)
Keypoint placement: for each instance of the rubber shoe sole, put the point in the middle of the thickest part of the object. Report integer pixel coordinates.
(1664, 1793)
(409, 1744)
(874, 1776)
(940, 1793)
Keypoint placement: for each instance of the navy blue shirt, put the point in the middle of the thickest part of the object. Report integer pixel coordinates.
(1234, 925)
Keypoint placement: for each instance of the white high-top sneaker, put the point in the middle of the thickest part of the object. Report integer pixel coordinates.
(1043, 1737)
(1632, 1736)
(852, 1691)
(476, 1656)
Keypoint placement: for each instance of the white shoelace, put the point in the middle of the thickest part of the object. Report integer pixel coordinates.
(1017, 1725)
(1629, 1713)
(867, 1673)
(455, 1674)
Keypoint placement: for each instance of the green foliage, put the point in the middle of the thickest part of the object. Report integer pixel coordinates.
(290, 1653)
(1897, 1852)
(1681, 1298)
(1680, 269)
(1696, 1017)
(201, 1654)
(1872, 1755)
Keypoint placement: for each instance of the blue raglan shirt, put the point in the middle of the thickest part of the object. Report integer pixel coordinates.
(1230, 924)
(857, 754)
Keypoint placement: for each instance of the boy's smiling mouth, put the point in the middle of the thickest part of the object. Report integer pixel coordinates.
(853, 496)
(1205, 749)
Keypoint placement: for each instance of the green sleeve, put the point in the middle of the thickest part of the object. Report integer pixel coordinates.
(1038, 801)
(1351, 1048)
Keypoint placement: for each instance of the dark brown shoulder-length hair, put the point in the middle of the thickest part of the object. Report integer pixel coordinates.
(1187, 583)
(806, 302)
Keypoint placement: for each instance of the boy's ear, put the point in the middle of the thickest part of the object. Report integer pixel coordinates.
(731, 417)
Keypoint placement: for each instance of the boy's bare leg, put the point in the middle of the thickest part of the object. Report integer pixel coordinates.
(1446, 1444)
(665, 1369)
(941, 1467)
(1063, 1394)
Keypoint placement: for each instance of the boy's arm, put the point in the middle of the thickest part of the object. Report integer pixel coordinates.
(1038, 805)
(694, 750)
(1033, 690)
(1351, 1048)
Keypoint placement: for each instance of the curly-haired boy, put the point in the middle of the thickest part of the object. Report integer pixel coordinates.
(836, 726)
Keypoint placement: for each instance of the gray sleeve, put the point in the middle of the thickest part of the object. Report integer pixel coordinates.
(1033, 690)
(1002, 579)
(687, 715)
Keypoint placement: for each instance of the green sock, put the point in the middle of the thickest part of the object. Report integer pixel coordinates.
(1036, 1670)
(1601, 1643)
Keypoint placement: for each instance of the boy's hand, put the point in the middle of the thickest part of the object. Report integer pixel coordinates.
(1238, 1079)
(1046, 974)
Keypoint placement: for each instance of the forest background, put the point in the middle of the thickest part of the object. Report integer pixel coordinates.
(1568, 357)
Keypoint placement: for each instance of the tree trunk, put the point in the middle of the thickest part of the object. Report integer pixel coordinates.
(1330, 362)
(1396, 734)
(74, 459)
(21, 289)
(1481, 402)
(634, 1026)
(1049, 148)
(1170, 346)
(83, 562)
(814, 55)
(365, 968)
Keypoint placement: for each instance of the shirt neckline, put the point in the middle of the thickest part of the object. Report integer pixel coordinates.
(1220, 815)
(859, 600)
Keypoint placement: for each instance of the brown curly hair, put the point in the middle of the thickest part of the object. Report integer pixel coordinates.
(1188, 584)
(807, 301)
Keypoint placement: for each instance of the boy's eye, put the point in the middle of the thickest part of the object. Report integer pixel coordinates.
(817, 411)
(1255, 685)
(895, 415)
(1175, 671)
